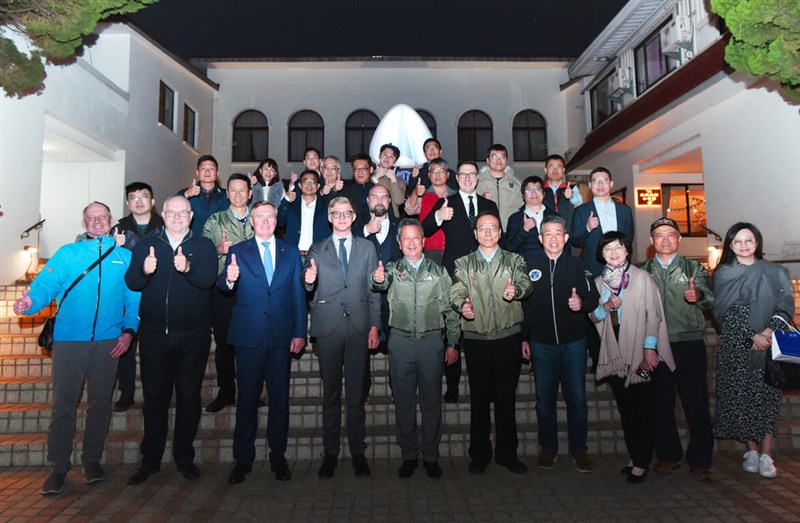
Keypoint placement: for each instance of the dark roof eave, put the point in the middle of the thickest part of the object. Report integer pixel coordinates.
(383, 58)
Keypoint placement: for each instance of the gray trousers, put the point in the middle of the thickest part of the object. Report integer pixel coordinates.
(417, 364)
(343, 353)
(72, 362)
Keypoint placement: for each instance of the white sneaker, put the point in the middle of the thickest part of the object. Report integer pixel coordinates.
(766, 467)
(750, 461)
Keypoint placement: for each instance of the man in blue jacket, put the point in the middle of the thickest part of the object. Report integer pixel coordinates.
(95, 326)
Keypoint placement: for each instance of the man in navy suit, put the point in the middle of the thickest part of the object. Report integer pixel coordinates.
(456, 216)
(268, 322)
(345, 319)
(602, 214)
(305, 217)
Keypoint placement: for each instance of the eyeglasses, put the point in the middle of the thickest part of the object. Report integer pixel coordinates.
(332, 167)
(308, 181)
(135, 198)
(360, 169)
(468, 175)
(738, 242)
(498, 156)
(601, 181)
(613, 248)
(529, 190)
(489, 228)
(342, 214)
(438, 171)
(181, 214)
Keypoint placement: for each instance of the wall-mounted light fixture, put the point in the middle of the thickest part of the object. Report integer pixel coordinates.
(33, 254)
(648, 197)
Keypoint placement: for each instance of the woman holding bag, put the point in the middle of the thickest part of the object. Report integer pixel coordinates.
(749, 292)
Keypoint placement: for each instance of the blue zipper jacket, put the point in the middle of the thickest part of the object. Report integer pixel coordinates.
(100, 306)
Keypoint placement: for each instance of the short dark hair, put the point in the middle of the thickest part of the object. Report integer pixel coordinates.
(362, 156)
(529, 180)
(257, 173)
(437, 161)
(207, 158)
(312, 149)
(309, 171)
(467, 162)
(600, 170)
(555, 157)
(611, 237)
(137, 186)
(728, 255)
(496, 147)
(239, 176)
(393, 147)
(429, 140)
(553, 218)
(492, 213)
(409, 222)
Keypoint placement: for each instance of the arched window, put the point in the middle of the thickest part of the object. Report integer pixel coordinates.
(306, 129)
(250, 137)
(530, 137)
(359, 128)
(474, 135)
(429, 120)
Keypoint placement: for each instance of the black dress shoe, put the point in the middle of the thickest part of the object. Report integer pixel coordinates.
(626, 470)
(281, 469)
(361, 466)
(141, 475)
(433, 469)
(476, 467)
(219, 403)
(189, 470)
(451, 396)
(328, 467)
(514, 465)
(239, 473)
(633, 478)
(124, 402)
(407, 469)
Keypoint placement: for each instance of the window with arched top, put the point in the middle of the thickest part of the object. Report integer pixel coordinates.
(429, 120)
(530, 137)
(306, 129)
(250, 137)
(359, 129)
(474, 135)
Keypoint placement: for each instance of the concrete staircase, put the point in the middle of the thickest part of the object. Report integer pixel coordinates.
(26, 392)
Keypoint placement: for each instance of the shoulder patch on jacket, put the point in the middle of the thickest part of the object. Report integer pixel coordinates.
(535, 275)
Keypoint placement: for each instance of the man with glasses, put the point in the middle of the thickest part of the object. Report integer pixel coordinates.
(142, 221)
(304, 218)
(331, 177)
(432, 150)
(345, 319)
(498, 182)
(174, 269)
(358, 190)
(600, 215)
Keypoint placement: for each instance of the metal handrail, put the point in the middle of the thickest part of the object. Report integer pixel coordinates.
(35, 227)
(712, 233)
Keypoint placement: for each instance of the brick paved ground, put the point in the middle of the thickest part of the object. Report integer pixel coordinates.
(561, 494)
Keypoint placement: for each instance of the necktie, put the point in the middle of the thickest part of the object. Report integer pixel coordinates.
(267, 262)
(343, 256)
(471, 211)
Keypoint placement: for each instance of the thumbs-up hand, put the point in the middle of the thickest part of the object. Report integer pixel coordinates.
(379, 276)
(420, 189)
(466, 310)
(311, 273)
(232, 273)
(415, 170)
(224, 243)
(292, 181)
(391, 174)
(691, 295)
(373, 226)
(119, 239)
(575, 302)
(193, 189)
(568, 192)
(510, 291)
(151, 262)
(339, 183)
(180, 261)
(22, 304)
(593, 222)
(487, 194)
(528, 222)
(445, 212)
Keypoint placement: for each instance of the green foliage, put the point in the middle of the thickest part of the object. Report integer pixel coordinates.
(56, 28)
(765, 38)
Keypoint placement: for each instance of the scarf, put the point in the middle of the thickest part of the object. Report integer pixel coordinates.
(616, 278)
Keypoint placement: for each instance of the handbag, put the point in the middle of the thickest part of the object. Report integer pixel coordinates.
(781, 369)
(45, 339)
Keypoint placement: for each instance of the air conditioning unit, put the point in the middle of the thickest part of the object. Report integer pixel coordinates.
(620, 83)
(677, 34)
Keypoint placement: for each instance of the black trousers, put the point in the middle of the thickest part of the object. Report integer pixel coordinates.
(493, 368)
(126, 371)
(224, 354)
(636, 404)
(691, 379)
(172, 361)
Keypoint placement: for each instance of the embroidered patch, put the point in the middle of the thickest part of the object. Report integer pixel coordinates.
(535, 275)
(681, 278)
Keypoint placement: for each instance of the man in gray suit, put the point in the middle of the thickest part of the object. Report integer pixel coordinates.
(345, 319)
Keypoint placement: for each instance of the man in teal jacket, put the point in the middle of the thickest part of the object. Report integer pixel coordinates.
(685, 290)
(94, 327)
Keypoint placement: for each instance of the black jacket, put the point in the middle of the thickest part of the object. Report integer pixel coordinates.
(172, 301)
(128, 226)
(548, 318)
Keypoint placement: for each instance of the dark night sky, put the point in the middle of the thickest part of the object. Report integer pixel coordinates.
(359, 28)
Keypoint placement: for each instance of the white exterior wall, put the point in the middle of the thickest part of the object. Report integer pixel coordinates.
(336, 89)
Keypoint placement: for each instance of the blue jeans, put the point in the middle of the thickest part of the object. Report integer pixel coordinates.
(565, 364)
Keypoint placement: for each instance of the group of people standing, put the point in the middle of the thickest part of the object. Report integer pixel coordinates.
(442, 281)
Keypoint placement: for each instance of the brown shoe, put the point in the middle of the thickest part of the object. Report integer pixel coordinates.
(704, 475)
(582, 462)
(665, 467)
(546, 458)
